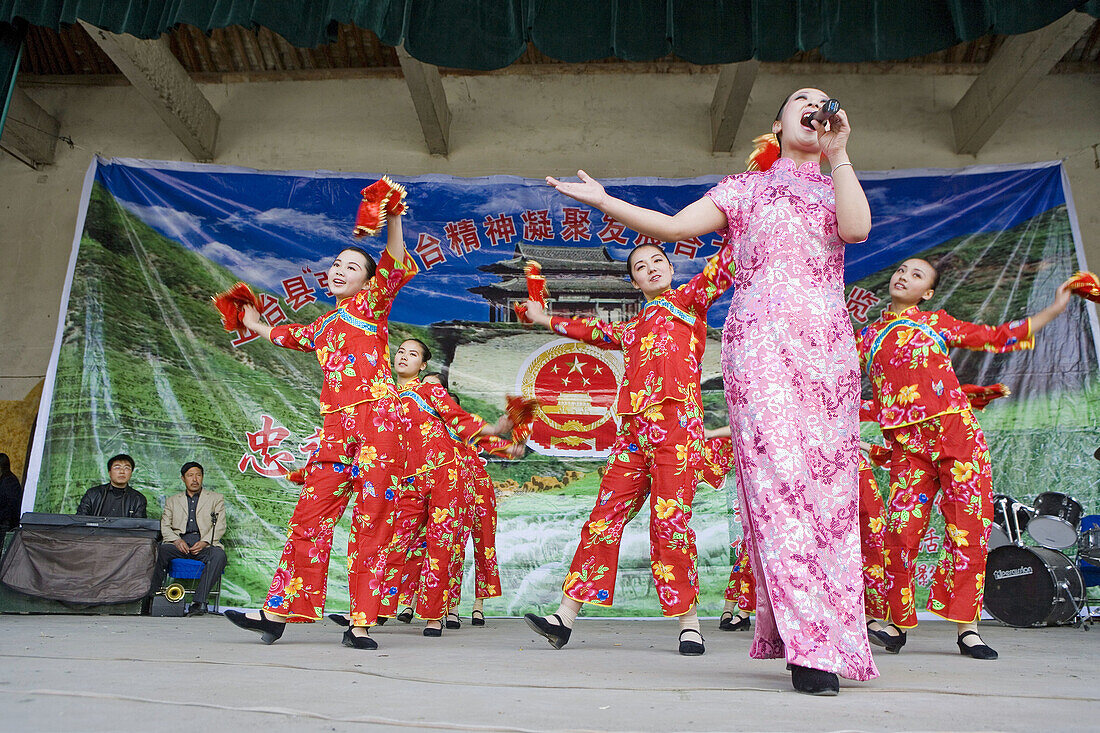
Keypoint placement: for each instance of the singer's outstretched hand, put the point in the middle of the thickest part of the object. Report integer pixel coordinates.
(834, 140)
(587, 191)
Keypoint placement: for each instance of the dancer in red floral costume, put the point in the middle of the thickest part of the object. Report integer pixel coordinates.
(659, 447)
(936, 444)
(432, 496)
(360, 453)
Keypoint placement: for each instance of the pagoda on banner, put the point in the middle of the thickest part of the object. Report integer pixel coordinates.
(583, 281)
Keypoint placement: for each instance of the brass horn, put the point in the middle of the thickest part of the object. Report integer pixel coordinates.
(174, 592)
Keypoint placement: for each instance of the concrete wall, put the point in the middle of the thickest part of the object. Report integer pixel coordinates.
(611, 124)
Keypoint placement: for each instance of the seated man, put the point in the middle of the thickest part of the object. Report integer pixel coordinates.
(192, 525)
(115, 498)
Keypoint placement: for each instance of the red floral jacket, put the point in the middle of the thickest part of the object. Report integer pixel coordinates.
(663, 345)
(437, 427)
(906, 358)
(352, 341)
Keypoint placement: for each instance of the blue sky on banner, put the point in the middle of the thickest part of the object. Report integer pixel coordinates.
(268, 226)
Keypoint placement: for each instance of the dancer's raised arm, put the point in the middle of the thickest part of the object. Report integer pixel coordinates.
(695, 219)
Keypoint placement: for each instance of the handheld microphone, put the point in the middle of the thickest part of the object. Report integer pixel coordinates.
(825, 113)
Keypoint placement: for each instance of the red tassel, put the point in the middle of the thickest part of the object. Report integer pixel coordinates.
(371, 216)
(981, 396)
(1086, 285)
(765, 152)
(231, 302)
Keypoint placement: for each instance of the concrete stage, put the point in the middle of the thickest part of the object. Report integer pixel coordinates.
(102, 673)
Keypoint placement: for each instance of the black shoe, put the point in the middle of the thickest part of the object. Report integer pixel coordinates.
(358, 642)
(196, 609)
(728, 624)
(381, 621)
(978, 651)
(876, 636)
(557, 634)
(814, 681)
(453, 621)
(339, 619)
(432, 631)
(477, 618)
(890, 642)
(406, 615)
(269, 631)
(691, 648)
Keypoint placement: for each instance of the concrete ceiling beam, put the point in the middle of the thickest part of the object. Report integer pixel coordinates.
(162, 81)
(1010, 77)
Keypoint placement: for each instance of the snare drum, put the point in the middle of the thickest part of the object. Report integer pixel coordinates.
(1088, 546)
(1032, 586)
(1057, 517)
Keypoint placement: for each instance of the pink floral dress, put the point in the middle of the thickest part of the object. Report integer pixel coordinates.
(792, 386)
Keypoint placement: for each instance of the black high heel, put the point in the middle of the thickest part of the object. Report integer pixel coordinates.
(892, 644)
(358, 642)
(977, 651)
(557, 634)
(269, 631)
(691, 648)
(811, 681)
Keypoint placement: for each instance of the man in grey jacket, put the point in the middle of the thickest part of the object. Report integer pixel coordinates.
(192, 526)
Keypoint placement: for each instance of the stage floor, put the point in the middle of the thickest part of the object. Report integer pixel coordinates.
(101, 673)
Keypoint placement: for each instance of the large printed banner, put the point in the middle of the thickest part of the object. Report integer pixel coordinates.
(142, 366)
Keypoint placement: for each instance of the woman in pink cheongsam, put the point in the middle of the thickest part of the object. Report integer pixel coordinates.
(792, 384)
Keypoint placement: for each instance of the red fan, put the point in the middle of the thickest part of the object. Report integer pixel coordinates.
(981, 396)
(536, 290)
(396, 205)
(880, 455)
(866, 411)
(382, 197)
(297, 476)
(1087, 285)
(521, 412)
(230, 303)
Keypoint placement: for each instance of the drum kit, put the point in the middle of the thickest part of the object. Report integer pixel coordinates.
(1038, 586)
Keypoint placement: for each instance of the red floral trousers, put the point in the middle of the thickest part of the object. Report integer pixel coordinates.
(659, 452)
(947, 453)
(359, 453)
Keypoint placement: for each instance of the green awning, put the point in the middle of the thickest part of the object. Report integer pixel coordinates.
(491, 34)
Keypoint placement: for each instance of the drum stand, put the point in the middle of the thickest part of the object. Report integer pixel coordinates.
(1081, 621)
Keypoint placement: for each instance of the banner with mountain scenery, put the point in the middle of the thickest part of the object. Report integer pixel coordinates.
(142, 365)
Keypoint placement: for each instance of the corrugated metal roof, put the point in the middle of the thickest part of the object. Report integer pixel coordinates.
(238, 50)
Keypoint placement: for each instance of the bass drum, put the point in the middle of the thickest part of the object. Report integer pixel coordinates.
(1032, 586)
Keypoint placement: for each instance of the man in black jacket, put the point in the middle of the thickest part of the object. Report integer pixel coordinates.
(115, 498)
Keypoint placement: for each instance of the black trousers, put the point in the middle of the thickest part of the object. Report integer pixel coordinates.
(214, 565)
